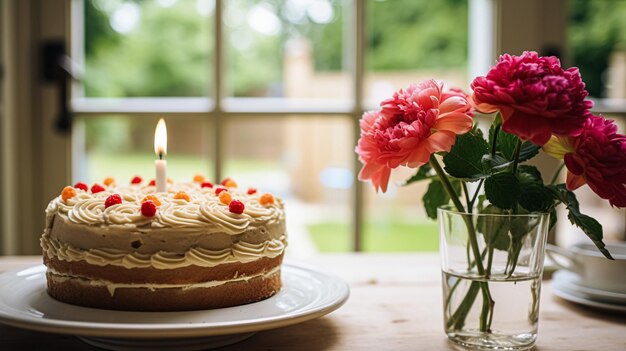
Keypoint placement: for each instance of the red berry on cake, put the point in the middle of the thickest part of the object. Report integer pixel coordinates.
(266, 199)
(81, 186)
(236, 206)
(68, 193)
(114, 199)
(206, 184)
(225, 197)
(96, 188)
(152, 183)
(219, 190)
(251, 191)
(181, 195)
(109, 181)
(136, 180)
(148, 209)
(198, 178)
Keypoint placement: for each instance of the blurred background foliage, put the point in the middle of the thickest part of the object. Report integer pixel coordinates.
(135, 48)
(596, 29)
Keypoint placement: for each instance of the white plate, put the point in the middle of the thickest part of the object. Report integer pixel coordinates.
(583, 300)
(306, 294)
(570, 281)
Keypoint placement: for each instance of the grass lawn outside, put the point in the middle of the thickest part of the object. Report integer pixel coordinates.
(383, 236)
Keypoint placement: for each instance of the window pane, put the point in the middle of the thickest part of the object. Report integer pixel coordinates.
(123, 146)
(596, 34)
(409, 41)
(147, 48)
(308, 161)
(396, 220)
(285, 48)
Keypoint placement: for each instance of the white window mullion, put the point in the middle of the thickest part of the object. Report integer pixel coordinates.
(358, 54)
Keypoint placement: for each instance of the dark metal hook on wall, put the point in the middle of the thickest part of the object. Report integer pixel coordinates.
(59, 68)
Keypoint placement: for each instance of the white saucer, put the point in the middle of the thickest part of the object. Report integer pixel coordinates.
(570, 282)
(307, 293)
(563, 291)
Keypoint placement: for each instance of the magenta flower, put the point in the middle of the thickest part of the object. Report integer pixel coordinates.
(535, 96)
(411, 126)
(596, 157)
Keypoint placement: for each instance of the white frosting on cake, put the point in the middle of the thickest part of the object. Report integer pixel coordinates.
(241, 252)
(202, 231)
(203, 210)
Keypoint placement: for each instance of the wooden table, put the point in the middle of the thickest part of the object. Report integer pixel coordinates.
(395, 304)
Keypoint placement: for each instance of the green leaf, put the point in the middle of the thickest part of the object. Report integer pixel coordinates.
(529, 174)
(528, 151)
(434, 197)
(553, 219)
(423, 173)
(535, 197)
(494, 164)
(495, 229)
(464, 159)
(502, 190)
(437, 196)
(591, 227)
(505, 144)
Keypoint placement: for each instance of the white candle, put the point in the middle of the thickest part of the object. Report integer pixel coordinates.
(160, 149)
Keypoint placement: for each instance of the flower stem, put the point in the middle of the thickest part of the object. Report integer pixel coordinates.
(467, 197)
(458, 318)
(555, 177)
(446, 184)
(495, 139)
(459, 206)
(516, 152)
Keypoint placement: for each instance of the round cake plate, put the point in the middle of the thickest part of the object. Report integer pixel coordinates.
(306, 294)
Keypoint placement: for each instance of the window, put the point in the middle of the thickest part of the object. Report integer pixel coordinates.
(267, 91)
(596, 33)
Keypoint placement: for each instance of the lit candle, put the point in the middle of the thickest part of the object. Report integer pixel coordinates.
(160, 149)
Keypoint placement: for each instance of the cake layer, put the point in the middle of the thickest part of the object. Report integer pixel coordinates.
(185, 275)
(240, 252)
(157, 297)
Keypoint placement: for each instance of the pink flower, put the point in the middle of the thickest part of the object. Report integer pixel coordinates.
(411, 126)
(535, 96)
(596, 157)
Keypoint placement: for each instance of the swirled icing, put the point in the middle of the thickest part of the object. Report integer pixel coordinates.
(88, 211)
(240, 252)
(220, 216)
(203, 211)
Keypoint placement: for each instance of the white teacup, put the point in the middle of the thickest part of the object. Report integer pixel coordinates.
(595, 270)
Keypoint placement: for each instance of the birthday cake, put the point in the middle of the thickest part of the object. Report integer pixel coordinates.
(195, 246)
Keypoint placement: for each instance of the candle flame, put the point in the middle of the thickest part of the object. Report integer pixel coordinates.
(160, 139)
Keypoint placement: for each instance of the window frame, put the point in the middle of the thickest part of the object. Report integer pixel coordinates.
(219, 108)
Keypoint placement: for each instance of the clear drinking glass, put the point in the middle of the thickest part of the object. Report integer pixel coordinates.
(492, 303)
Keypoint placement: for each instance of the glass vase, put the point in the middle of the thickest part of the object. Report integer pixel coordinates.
(492, 264)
